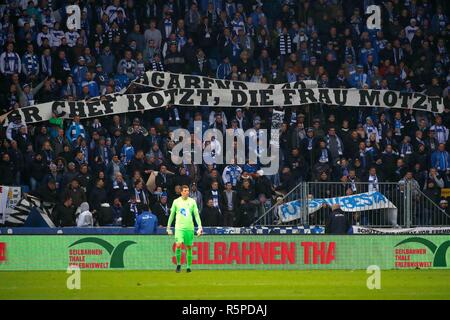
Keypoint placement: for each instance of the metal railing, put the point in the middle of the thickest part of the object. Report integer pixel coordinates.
(410, 206)
(270, 217)
(426, 211)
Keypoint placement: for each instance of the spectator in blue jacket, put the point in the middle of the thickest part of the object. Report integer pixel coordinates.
(91, 84)
(79, 71)
(366, 52)
(440, 160)
(146, 222)
(127, 152)
(107, 60)
(224, 69)
(359, 78)
(75, 130)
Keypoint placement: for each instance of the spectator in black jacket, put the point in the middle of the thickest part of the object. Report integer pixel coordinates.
(214, 194)
(137, 163)
(211, 215)
(182, 178)
(7, 171)
(229, 205)
(76, 192)
(246, 197)
(130, 211)
(65, 213)
(162, 210)
(174, 60)
(337, 221)
(164, 179)
(287, 181)
(141, 193)
(37, 172)
(61, 66)
(46, 192)
(263, 184)
(85, 178)
(98, 195)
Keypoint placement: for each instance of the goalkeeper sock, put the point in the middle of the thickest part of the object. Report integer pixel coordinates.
(189, 257)
(178, 255)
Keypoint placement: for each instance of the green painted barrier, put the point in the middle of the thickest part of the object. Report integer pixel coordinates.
(225, 252)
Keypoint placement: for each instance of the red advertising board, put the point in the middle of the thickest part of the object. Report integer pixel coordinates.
(2, 251)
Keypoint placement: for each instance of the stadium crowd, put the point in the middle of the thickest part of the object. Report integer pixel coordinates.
(87, 163)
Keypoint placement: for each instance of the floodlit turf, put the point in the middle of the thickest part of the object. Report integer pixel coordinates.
(200, 284)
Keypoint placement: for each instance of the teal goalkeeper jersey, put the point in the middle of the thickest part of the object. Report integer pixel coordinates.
(184, 211)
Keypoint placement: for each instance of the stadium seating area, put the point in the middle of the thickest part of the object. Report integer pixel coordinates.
(112, 159)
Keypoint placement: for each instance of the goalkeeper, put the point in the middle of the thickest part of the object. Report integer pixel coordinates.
(184, 208)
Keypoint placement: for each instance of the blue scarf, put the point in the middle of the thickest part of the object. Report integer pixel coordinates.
(14, 58)
(31, 63)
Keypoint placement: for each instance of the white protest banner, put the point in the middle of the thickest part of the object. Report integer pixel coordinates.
(114, 104)
(167, 80)
(358, 202)
(9, 196)
(418, 230)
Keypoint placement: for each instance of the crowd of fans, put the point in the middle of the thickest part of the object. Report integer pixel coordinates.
(87, 163)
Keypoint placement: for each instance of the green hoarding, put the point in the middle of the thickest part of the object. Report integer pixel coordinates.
(58, 252)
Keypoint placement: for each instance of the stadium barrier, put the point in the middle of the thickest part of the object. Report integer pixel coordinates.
(163, 230)
(282, 252)
(385, 204)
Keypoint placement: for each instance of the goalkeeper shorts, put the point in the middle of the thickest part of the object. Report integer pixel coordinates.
(184, 236)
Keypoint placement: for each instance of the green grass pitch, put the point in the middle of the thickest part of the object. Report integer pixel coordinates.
(201, 284)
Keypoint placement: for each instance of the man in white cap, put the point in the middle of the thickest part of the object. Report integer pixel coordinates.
(443, 204)
(240, 118)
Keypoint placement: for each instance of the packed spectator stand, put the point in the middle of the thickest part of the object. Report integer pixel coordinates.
(83, 164)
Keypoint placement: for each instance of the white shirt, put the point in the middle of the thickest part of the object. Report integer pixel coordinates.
(85, 219)
(373, 183)
(72, 38)
(441, 133)
(410, 31)
(57, 35)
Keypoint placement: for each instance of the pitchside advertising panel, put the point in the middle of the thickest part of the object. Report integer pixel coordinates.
(224, 252)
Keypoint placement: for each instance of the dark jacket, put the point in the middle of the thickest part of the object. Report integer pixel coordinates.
(45, 194)
(208, 195)
(96, 197)
(337, 222)
(263, 185)
(128, 216)
(161, 213)
(234, 200)
(174, 62)
(64, 216)
(7, 173)
(78, 196)
(166, 183)
(182, 180)
(38, 170)
(211, 217)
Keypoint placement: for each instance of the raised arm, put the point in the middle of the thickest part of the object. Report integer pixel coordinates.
(39, 86)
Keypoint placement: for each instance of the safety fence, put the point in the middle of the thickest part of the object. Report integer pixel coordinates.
(370, 204)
